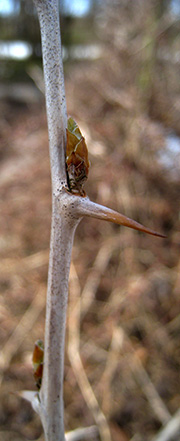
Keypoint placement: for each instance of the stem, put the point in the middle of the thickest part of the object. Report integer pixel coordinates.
(51, 394)
(50, 404)
(67, 211)
(48, 13)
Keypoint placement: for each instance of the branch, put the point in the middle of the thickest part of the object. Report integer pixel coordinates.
(48, 13)
(171, 429)
(49, 403)
(67, 211)
(77, 365)
(82, 434)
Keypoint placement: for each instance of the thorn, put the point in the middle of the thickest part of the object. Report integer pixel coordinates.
(91, 209)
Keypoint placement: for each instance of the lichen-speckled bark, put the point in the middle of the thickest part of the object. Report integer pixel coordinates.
(51, 394)
(49, 404)
(48, 13)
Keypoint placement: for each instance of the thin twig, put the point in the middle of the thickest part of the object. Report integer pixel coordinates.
(148, 388)
(171, 431)
(93, 280)
(76, 363)
(111, 366)
(82, 434)
(22, 329)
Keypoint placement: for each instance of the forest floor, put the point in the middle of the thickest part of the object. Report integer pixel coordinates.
(127, 324)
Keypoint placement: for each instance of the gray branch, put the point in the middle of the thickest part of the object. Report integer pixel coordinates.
(48, 13)
(49, 405)
(67, 211)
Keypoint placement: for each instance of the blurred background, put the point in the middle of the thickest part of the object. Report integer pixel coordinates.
(122, 70)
